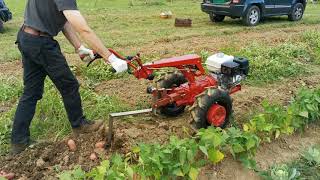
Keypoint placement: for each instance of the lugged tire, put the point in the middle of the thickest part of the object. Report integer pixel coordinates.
(202, 104)
(170, 80)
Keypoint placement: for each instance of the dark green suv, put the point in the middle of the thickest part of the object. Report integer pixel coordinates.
(252, 11)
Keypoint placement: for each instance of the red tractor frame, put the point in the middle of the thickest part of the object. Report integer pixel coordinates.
(189, 86)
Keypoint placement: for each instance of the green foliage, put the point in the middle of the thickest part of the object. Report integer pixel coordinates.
(116, 168)
(283, 172)
(9, 89)
(312, 38)
(312, 156)
(99, 71)
(76, 174)
(307, 167)
(177, 158)
(5, 131)
(269, 64)
(276, 120)
(185, 157)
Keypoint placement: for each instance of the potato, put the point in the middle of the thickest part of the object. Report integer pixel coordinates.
(93, 156)
(9, 176)
(100, 144)
(72, 145)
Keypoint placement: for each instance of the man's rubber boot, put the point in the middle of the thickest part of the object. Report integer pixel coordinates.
(88, 127)
(18, 148)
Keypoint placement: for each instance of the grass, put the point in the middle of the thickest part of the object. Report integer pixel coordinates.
(126, 27)
(10, 89)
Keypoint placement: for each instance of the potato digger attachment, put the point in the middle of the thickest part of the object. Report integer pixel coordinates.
(206, 93)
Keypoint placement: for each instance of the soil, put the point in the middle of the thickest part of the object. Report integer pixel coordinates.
(53, 157)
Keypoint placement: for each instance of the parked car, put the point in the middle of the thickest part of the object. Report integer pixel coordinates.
(5, 14)
(252, 11)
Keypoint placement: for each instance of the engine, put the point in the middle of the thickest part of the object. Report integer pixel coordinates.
(228, 70)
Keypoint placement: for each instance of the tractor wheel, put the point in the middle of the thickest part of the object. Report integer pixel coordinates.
(212, 107)
(169, 81)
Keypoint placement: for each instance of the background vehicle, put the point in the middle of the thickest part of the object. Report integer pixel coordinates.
(5, 14)
(252, 11)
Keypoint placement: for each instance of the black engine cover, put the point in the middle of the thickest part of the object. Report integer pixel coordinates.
(230, 68)
(243, 64)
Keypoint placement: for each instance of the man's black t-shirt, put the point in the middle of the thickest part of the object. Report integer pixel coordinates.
(46, 15)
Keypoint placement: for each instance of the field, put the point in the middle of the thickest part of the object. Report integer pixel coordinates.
(284, 71)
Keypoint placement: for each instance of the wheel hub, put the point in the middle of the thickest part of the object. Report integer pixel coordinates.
(254, 16)
(216, 115)
(298, 12)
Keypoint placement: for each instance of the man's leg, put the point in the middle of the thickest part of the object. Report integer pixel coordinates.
(33, 78)
(68, 86)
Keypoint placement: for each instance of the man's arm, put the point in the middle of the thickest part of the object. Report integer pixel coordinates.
(77, 21)
(71, 35)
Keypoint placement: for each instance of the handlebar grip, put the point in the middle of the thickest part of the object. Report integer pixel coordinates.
(113, 70)
(129, 58)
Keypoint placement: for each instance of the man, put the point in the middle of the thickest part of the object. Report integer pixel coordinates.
(41, 57)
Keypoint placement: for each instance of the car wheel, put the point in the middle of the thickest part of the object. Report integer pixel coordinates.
(296, 12)
(216, 18)
(252, 16)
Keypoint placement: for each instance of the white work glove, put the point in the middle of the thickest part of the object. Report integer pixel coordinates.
(85, 54)
(118, 64)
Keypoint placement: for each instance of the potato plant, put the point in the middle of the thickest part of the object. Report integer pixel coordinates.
(185, 157)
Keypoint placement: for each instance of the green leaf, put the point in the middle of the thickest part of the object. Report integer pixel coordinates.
(193, 174)
(215, 156)
(178, 172)
(63, 176)
(237, 148)
(204, 150)
(245, 127)
(78, 173)
(130, 172)
(277, 134)
(304, 114)
(136, 149)
(250, 143)
(217, 140)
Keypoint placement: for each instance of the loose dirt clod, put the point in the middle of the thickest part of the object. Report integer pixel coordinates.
(93, 156)
(100, 144)
(40, 162)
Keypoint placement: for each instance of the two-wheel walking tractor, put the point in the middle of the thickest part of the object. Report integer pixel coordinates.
(207, 94)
